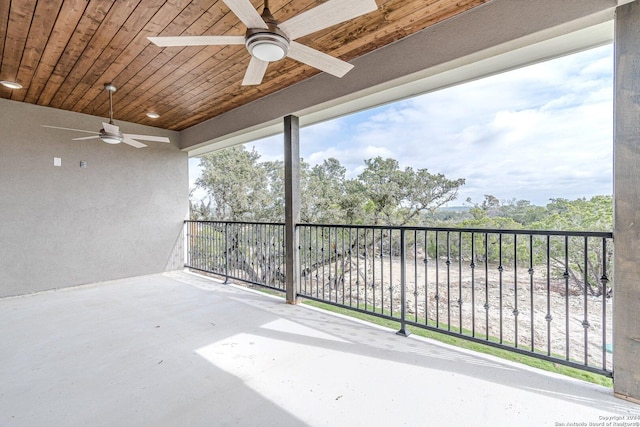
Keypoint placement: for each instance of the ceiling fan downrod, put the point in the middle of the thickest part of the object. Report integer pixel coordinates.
(268, 17)
(110, 134)
(109, 87)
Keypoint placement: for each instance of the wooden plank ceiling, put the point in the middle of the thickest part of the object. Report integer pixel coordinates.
(64, 51)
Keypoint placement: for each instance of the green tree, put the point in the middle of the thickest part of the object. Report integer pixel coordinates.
(383, 183)
(272, 209)
(322, 188)
(200, 209)
(352, 202)
(523, 212)
(594, 214)
(567, 255)
(425, 192)
(490, 207)
(234, 182)
(398, 197)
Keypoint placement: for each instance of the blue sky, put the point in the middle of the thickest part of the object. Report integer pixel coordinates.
(539, 132)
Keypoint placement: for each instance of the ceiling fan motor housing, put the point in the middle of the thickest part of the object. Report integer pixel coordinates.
(110, 138)
(267, 45)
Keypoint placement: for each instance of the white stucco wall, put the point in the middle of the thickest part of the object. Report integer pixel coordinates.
(64, 226)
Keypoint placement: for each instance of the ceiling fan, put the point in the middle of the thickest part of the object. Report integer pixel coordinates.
(110, 133)
(268, 40)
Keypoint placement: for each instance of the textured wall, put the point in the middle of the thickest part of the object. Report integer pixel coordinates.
(65, 226)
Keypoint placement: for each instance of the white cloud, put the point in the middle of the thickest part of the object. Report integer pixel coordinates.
(270, 149)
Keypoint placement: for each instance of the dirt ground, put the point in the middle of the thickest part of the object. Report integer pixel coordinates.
(536, 315)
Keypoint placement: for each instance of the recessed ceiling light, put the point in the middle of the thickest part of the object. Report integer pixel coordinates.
(153, 115)
(10, 84)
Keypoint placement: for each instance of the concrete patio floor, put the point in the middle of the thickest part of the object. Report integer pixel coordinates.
(178, 349)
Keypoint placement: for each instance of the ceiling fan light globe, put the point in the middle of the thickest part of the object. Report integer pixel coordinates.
(267, 46)
(268, 52)
(110, 139)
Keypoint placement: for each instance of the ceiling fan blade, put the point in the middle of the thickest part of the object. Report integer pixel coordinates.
(75, 130)
(319, 60)
(109, 128)
(196, 40)
(245, 11)
(255, 72)
(324, 16)
(146, 137)
(86, 137)
(132, 142)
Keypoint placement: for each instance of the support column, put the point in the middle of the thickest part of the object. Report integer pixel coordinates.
(626, 196)
(292, 205)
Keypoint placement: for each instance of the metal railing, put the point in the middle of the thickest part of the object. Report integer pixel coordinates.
(545, 294)
(250, 252)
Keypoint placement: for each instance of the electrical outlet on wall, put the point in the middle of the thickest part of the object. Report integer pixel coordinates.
(57, 161)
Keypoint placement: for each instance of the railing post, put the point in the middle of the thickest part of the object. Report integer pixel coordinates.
(187, 243)
(226, 253)
(403, 286)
